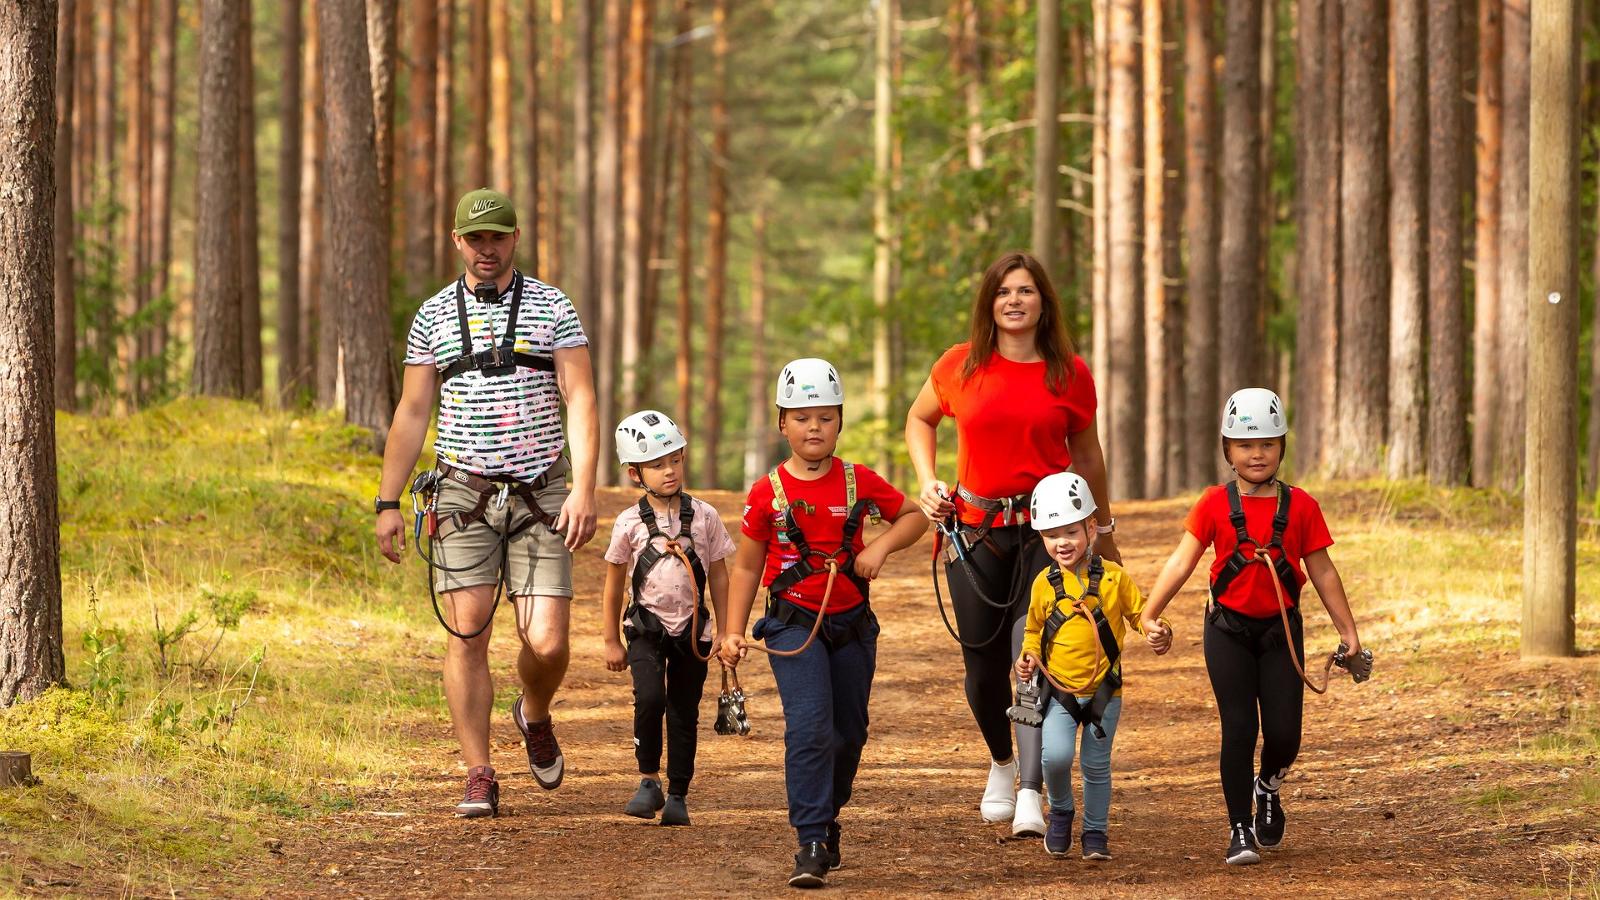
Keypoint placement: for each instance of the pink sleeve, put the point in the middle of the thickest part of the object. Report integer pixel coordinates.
(715, 538)
(620, 550)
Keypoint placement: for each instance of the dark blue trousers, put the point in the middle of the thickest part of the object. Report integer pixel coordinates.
(824, 692)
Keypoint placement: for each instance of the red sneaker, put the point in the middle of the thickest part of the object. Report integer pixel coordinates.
(544, 754)
(483, 794)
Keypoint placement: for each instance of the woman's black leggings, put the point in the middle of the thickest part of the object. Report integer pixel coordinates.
(1251, 673)
(1005, 580)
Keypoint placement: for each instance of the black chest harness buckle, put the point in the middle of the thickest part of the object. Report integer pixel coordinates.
(500, 358)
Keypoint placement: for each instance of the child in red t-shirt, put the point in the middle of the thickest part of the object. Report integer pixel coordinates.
(803, 523)
(1247, 653)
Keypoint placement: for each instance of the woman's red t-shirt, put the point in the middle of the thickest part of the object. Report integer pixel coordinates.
(1251, 592)
(1011, 429)
(820, 511)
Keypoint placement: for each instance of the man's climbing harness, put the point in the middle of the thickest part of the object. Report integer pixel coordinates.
(424, 506)
(1283, 583)
(502, 357)
(956, 543)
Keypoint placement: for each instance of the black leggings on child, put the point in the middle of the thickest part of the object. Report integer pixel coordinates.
(1248, 660)
(667, 680)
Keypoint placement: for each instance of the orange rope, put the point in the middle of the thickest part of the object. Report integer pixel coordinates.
(1288, 635)
(694, 617)
(822, 609)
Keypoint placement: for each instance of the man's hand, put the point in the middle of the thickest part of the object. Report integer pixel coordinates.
(576, 521)
(391, 531)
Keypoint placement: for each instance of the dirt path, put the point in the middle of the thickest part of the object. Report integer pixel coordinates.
(1374, 809)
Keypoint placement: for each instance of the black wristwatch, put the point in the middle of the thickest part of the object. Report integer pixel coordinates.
(379, 504)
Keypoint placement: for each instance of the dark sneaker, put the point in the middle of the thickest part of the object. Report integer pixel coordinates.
(1058, 833)
(483, 794)
(1095, 845)
(810, 866)
(1242, 848)
(833, 846)
(1269, 819)
(676, 811)
(646, 800)
(544, 754)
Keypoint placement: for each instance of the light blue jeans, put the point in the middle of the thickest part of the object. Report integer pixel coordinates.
(1060, 741)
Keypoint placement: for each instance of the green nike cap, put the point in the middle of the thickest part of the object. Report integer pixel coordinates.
(485, 210)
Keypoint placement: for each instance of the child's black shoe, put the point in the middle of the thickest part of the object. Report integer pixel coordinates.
(810, 866)
(833, 846)
(1269, 819)
(1095, 845)
(676, 812)
(646, 800)
(1242, 848)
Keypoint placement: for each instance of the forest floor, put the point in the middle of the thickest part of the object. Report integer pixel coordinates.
(1459, 770)
(1420, 782)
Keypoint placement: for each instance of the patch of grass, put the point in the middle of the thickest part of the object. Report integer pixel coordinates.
(1497, 796)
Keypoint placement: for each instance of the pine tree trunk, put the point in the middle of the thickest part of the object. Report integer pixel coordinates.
(682, 82)
(355, 224)
(1239, 304)
(1511, 360)
(1100, 269)
(134, 236)
(480, 90)
(1046, 133)
(657, 198)
(248, 213)
(539, 233)
(969, 57)
(635, 175)
(319, 320)
(502, 85)
(1486, 245)
(30, 594)
(1447, 383)
(1593, 468)
(716, 239)
(382, 45)
(1550, 526)
(105, 179)
(162, 155)
(1125, 453)
(882, 196)
(1201, 227)
(608, 223)
(83, 126)
(444, 192)
(555, 230)
(1316, 250)
(218, 355)
(290, 374)
(1162, 268)
(586, 275)
(65, 306)
(758, 429)
(421, 147)
(1364, 251)
(1408, 241)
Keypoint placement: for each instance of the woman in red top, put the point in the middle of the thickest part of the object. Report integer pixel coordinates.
(1024, 407)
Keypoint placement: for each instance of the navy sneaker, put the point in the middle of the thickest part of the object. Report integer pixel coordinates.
(646, 800)
(1269, 819)
(810, 866)
(1095, 845)
(1242, 848)
(1058, 833)
(833, 846)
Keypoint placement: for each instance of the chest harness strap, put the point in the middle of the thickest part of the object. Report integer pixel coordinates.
(813, 561)
(500, 358)
(681, 547)
(1106, 646)
(1236, 563)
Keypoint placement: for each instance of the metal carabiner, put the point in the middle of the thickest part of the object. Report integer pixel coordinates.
(500, 498)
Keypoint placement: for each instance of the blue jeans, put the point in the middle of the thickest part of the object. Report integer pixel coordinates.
(825, 692)
(1060, 740)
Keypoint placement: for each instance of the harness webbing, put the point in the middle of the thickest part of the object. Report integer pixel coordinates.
(498, 359)
(1105, 640)
(808, 564)
(651, 554)
(1236, 562)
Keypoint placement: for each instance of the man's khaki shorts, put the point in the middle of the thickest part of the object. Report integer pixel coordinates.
(537, 560)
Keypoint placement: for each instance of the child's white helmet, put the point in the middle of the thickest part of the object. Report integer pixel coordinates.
(646, 435)
(1254, 413)
(1060, 499)
(809, 382)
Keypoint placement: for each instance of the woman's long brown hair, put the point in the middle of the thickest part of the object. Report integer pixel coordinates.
(1050, 336)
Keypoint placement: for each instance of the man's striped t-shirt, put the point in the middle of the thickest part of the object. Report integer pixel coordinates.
(506, 424)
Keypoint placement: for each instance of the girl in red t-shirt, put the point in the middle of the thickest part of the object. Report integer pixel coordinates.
(1024, 405)
(796, 519)
(1246, 652)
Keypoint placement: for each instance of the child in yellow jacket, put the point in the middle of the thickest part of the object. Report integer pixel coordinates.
(1080, 609)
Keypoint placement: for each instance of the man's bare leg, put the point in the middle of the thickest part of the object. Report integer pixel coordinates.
(468, 690)
(542, 624)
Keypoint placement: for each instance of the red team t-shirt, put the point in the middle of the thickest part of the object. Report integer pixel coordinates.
(819, 510)
(1251, 592)
(1011, 430)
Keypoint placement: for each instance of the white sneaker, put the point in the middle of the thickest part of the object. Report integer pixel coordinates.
(1028, 821)
(1000, 795)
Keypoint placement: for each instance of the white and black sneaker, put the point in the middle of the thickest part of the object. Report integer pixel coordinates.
(1242, 849)
(1269, 819)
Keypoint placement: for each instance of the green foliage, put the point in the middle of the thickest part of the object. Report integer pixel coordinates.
(104, 319)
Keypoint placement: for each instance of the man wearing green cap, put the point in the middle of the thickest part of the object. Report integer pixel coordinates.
(501, 352)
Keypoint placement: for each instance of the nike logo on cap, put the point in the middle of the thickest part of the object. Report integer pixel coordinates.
(482, 208)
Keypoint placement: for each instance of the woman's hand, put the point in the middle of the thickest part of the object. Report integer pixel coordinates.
(616, 656)
(732, 650)
(1157, 634)
(1106, 546)
(1026, 663)
(935, 501)
(1352, 643)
